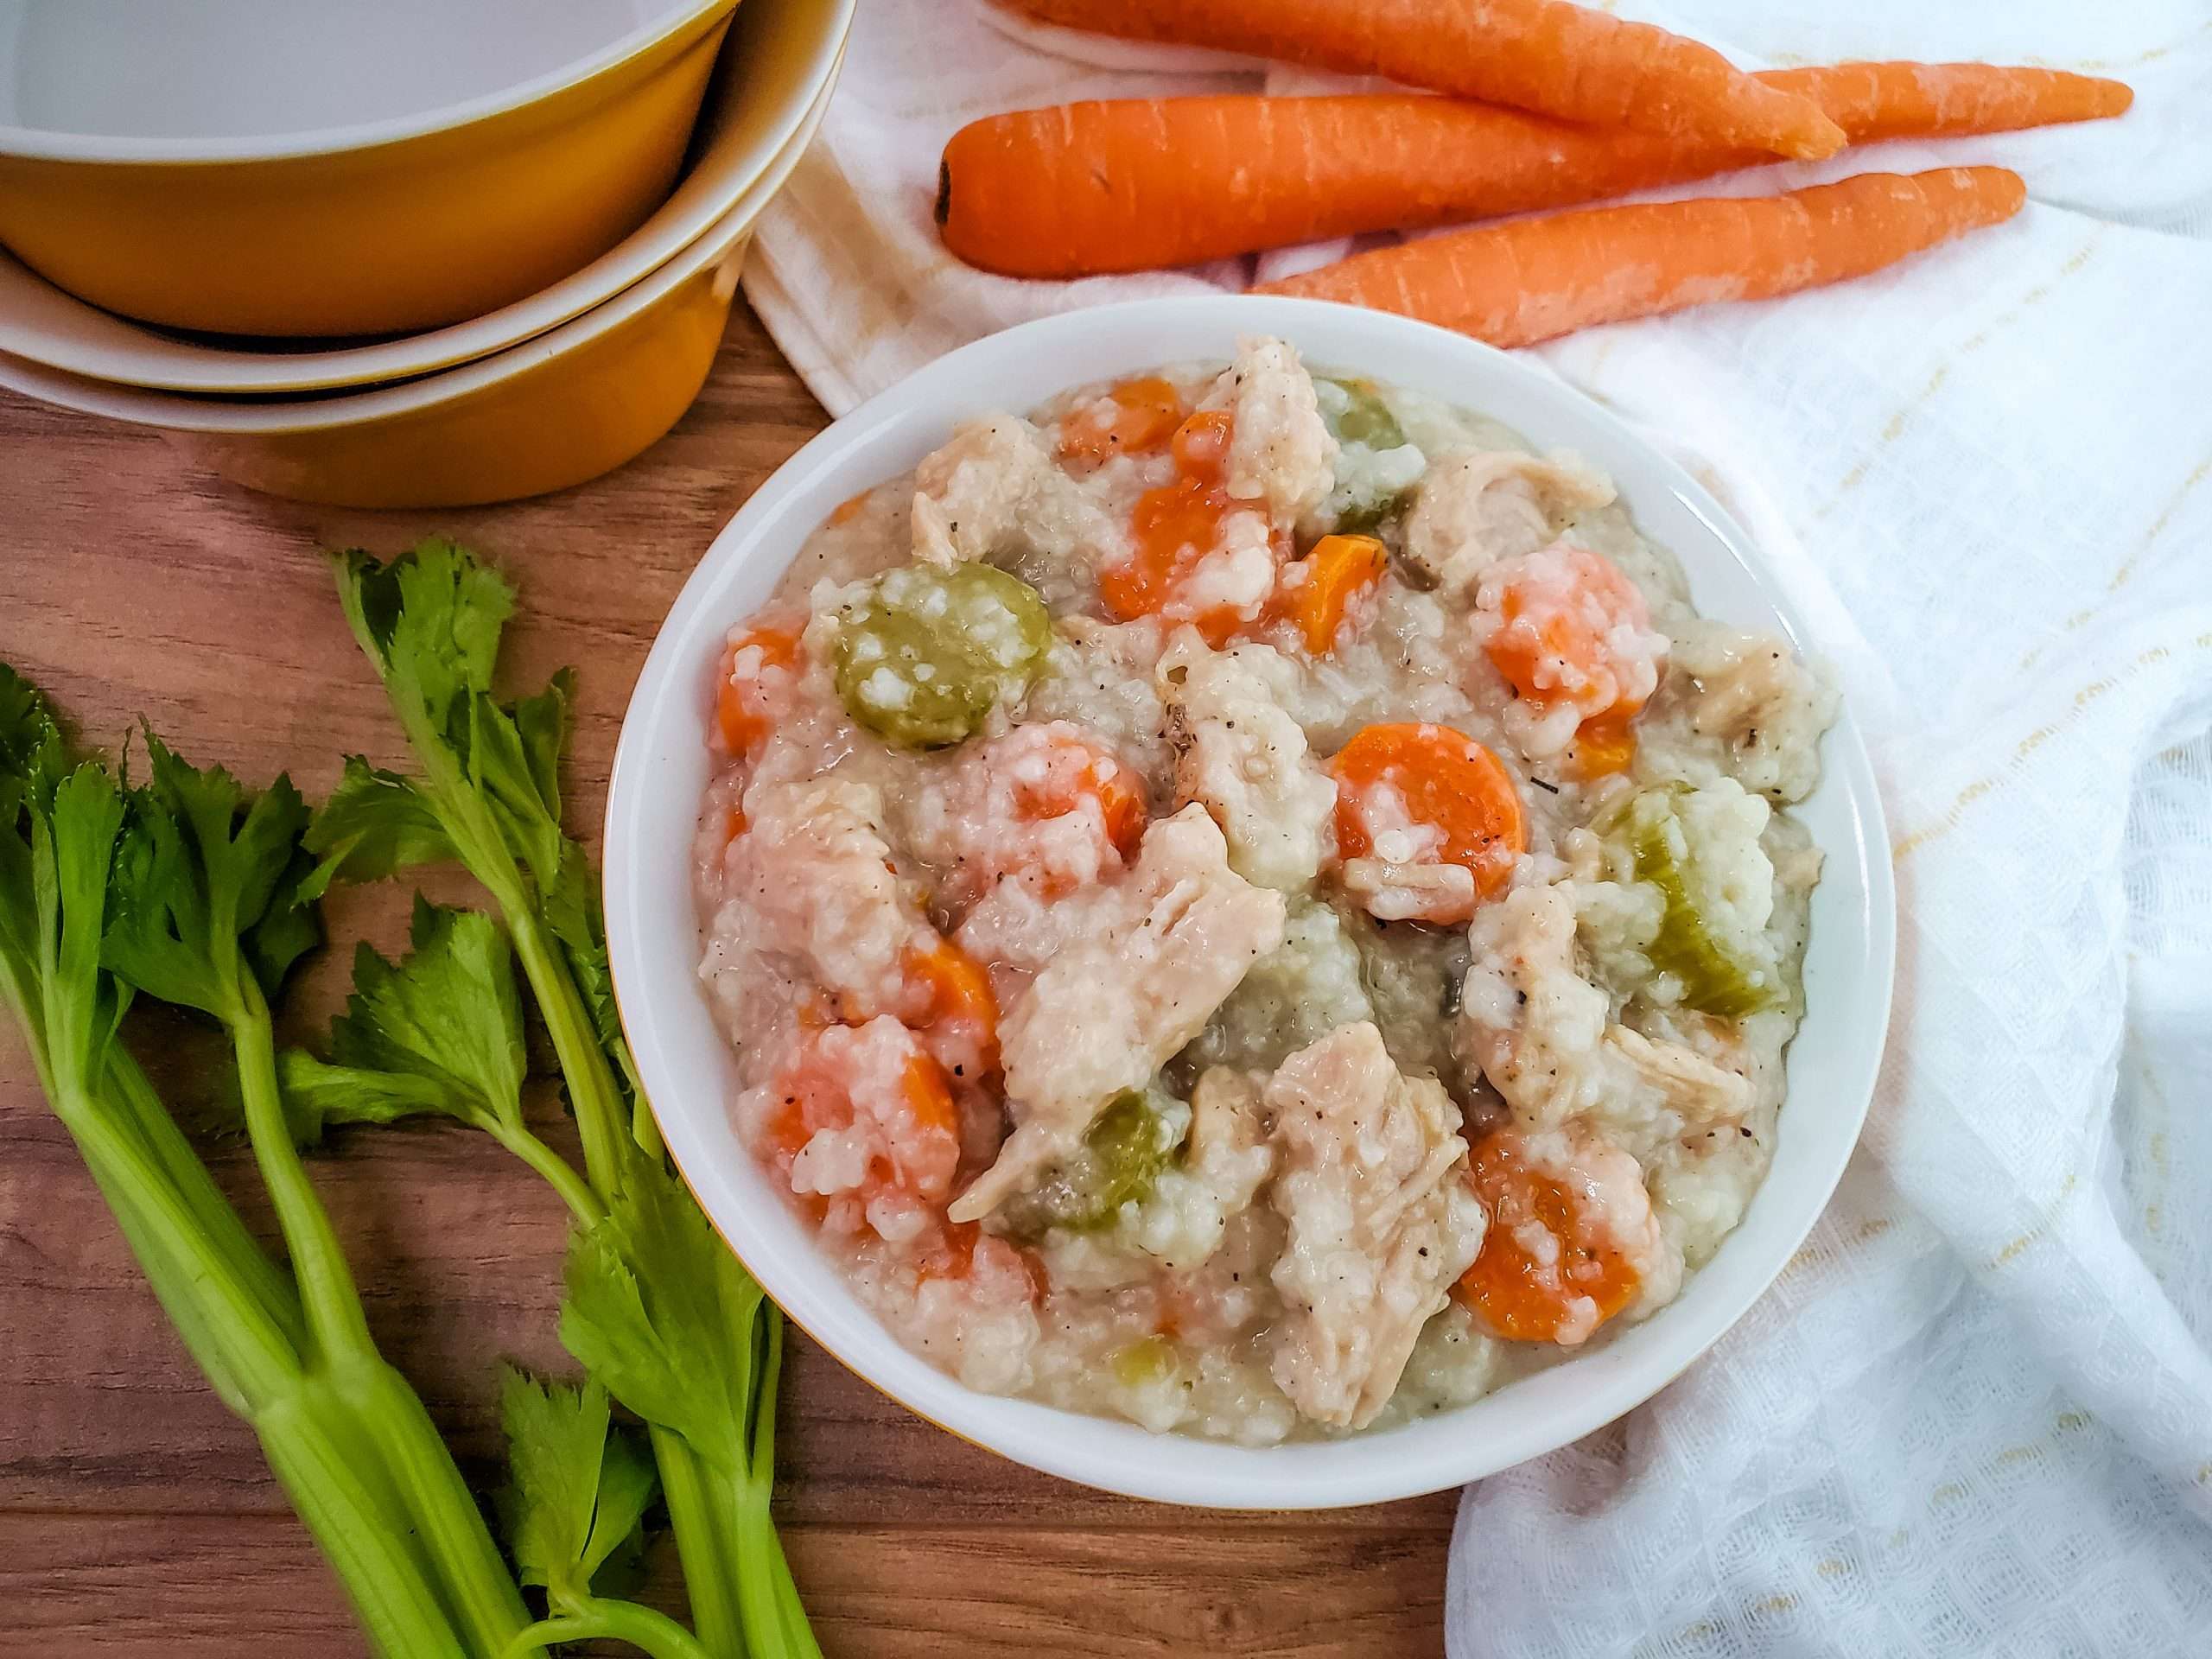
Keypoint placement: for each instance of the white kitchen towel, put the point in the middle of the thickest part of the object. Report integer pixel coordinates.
(1974, 1415)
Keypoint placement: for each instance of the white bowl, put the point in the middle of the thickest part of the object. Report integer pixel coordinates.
(773, 68)
(661, 770)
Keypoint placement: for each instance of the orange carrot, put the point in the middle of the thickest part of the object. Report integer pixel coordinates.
(1140, 184)
(1173, 528)
(760, 670)
(1569, 627)
(1530, 279)
(1546, 55)
(1337, 571)
(1134, 418)
(949, 986)
(1102, 777)
(1539, 1297)
(1601, 747)
(1439, 780)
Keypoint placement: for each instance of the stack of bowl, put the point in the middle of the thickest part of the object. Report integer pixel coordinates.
(413, 254)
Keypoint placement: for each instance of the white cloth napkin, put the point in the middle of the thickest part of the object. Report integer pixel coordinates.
(1974, 1415)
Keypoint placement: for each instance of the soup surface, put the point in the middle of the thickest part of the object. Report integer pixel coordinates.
(1249, 900)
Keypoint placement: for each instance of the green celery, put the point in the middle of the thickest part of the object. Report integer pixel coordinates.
(577, 1495)
(200, 872)
(1715, 979)
(658, 1311)
(91, 879)
(439, 1032)
(431, 624)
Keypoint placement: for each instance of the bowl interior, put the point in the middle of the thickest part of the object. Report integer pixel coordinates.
(772, 71)
(222, 69)
(661, 769)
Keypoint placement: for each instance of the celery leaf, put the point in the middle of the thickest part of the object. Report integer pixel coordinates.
(578, 1486)
(202, 863)
(439, 1031)
(646, 1315)
(375, 825)
(431, 621)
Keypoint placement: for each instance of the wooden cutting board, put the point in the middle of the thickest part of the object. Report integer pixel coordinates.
(135, 1518)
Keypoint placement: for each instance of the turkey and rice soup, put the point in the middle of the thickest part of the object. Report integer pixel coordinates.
(1249, 900)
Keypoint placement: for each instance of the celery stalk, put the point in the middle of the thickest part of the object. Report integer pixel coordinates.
(649, 1631)
(85, 871)
(657, 1310)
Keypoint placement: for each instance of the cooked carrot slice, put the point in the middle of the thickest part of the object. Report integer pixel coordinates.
(929, 1099)
(991, 1268)
(757, 675)
(1201, 444)
(1549, 1270)
(916, 1136)
(1602, 745)
(952, 1256)
(1174, 528)
(1135, 419)
(1571, 628)
(850, 509)
(953, 999)
(1048, 805)
(1319, 590)
(1096, 775)
(1438, 789)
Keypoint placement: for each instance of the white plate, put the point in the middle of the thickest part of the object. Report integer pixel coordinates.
(772, 72)
(661, 770)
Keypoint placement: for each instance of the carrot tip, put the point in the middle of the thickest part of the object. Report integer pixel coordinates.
(1817, 142)
(2115, 97)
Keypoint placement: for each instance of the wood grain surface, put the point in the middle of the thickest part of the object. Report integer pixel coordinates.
(135, 1518)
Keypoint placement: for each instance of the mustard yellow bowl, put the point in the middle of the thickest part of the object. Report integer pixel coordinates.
(270, 167)
(566, 406)
(773, 63)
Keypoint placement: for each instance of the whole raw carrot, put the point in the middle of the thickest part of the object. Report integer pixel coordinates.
(1138, 184)
(1546, 55)
(1531, 279)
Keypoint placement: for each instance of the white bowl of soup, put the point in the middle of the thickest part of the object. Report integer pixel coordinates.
(1248, 903)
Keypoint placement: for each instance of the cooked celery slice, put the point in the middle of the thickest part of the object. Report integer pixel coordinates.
(1146, 1362)
(922, 657)
(1716, 977)
(1377, 468)
(1365, 418)
(1121, 1159)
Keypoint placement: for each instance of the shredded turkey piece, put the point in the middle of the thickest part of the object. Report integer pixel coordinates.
(1381, 1221)
(1691, 1084)
(1280, 451)
(993, 488)
(1171, 940)
(1750, 692)
(1527, 1016)
(1245, 756)
(1481, 505)
(812, 879)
